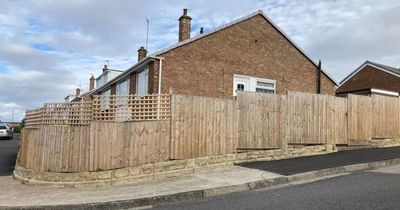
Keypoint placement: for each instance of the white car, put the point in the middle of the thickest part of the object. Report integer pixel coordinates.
(6, 131)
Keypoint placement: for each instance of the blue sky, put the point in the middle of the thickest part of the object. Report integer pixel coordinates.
(49, 48)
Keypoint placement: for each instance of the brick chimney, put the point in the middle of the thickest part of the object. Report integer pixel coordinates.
(105, 68)
(184, 26)
(142, 53)
(91, 83)
(78, 92)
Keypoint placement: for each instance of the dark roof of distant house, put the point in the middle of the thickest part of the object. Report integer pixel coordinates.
(389, 68)
(378, 66)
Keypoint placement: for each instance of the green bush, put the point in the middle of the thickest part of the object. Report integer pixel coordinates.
(17, 129)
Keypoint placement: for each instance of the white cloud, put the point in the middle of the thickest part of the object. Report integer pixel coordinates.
(48, 48)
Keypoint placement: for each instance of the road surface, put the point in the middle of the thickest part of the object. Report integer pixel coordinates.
(8, 155)
(379, 189)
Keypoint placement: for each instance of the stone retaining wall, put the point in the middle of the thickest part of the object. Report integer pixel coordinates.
(161, 170)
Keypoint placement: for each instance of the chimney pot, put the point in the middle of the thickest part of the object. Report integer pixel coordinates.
(184, 26)
(105, 68)
(91, 83)
(78, 92)
(142, 53)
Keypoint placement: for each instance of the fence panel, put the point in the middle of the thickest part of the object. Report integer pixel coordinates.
(131, 108)
(340, 121)
(100, 146)
(118, 145)
(359, 119)
(260, 120)
(385, 115)
(202, 126)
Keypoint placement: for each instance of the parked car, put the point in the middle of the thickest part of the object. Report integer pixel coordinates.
(6, 131)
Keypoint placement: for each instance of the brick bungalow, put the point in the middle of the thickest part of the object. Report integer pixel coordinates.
(250, 54)
(371, 78)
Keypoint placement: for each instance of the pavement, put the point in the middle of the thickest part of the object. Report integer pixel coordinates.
(199, 186)
(12, 191)
(367, 190)
(8, 155)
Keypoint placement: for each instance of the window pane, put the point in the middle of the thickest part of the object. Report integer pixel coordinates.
(265, 84)
(261, 90)
(142, 80)
(240, 87)
(123, 88)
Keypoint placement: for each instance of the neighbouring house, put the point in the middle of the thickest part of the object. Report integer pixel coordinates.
(371, 78)
(107, 75)
(250, 54)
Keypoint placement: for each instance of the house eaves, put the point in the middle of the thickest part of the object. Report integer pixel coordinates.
(384, 68)
(259, 12)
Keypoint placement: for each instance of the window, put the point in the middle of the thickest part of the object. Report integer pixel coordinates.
(142, 82)
(265, 87)
(253, 84)
(123, 88)
(240, 87)
(105, 104)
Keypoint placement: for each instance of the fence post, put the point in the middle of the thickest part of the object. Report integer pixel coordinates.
(284, 121)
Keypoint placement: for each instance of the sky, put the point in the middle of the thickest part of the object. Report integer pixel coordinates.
(49, 48)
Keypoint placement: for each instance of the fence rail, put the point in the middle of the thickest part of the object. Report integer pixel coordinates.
(101, 108)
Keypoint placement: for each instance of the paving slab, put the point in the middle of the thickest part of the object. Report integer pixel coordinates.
(13, 193)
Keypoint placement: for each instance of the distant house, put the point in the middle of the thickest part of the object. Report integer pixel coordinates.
(104, 78)
(371, 78)
(250, 54)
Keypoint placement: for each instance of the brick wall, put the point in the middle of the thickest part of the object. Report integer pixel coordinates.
(253, 48)
(369, 77)
(132, 83)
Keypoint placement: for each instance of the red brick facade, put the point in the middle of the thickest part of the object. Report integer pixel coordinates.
(252, 47)
(370, 77)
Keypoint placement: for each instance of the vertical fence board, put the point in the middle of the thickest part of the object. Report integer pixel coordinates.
(359, 119)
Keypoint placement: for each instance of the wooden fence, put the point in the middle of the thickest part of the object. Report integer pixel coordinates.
(315, 119)
(261, 123)
(101, 108)
(203, 127)
(184, 127)
(100, 146)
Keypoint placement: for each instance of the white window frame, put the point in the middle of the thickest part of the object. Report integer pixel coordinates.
(140, 91)
(252, 84)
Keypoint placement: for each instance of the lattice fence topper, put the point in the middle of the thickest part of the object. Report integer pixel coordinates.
(33, 117)
(102, 108)
(131, 108)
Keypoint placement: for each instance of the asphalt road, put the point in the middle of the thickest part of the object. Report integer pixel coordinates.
(332, 160)
(365, 190)
(8, 155)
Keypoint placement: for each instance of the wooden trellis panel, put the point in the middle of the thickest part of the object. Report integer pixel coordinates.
(131, 108)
